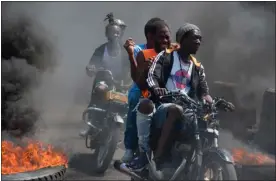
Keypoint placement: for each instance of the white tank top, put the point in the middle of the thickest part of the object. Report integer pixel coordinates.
(180, 76)
(114, 64)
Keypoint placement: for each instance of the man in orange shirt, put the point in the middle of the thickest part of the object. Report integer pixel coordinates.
(134, 94)
(162, 41)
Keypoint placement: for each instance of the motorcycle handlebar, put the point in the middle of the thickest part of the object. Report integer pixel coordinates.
(179, 94)
(220, 102)
(117, 83)
(94, 69)
(217, 102)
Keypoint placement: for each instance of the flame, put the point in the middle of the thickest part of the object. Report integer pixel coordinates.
(241, 156)
(32, 157)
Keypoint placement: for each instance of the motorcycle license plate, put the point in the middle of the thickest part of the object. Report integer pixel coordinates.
(116, 96)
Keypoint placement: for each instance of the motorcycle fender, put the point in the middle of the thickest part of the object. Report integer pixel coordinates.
(118, 119)
(89, 109)
(219, 152)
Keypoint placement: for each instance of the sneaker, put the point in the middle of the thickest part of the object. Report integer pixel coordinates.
(128, 156)
(139, 163)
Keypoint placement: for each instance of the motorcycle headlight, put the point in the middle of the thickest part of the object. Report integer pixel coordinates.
(101, 86)
(100, 89)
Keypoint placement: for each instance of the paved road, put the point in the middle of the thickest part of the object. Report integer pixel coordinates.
(62, 130)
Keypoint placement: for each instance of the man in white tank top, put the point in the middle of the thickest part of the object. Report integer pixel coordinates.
(180, 75)
(177, 71)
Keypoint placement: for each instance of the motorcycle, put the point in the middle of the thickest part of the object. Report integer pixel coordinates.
(196, 157)
(105, 118)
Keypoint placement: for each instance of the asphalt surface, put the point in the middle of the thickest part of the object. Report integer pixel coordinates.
(61, 128)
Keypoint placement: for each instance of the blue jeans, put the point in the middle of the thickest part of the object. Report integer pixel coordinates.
(185, 125)
(157, 117)
(131, 139)
(160, 116)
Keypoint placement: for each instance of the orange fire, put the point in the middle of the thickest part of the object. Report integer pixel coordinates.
(241, 156)
(32, 157)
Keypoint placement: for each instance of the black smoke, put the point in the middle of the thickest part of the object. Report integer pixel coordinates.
(26, 53)
(238, 41)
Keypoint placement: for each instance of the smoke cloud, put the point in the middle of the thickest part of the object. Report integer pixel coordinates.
(238, 46)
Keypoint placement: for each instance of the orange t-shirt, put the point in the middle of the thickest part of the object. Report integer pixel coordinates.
(148, 54)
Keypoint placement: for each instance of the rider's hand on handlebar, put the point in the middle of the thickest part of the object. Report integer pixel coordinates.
(225, 105)
(90, 70)
(160, 91)
(129, 46)
(208, 99)
(229, 106)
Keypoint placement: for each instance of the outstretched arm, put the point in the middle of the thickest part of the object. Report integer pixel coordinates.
(132, 53)
(142, 66)
(133, 66)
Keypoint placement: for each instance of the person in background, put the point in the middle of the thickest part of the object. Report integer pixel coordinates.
(110, 56)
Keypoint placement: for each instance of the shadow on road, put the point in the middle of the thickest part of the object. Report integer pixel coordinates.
(84, 162)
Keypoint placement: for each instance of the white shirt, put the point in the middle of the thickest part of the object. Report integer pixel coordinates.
(180, 76)
(114, 64)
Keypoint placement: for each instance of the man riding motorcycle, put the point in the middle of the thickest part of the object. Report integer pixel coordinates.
(109, 55)
(161, 36)
(175, 70)
(134, 94)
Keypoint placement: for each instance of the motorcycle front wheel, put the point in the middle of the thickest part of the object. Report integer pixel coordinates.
(214, 168)
(105, 151)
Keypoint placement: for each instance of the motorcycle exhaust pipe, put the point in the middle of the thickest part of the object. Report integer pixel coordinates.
(121, 167)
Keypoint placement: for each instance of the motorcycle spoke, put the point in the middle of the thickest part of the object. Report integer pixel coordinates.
(102, 153)
(103, 150)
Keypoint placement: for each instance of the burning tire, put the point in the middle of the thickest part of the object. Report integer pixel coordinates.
(51, 173)
(32, 161)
